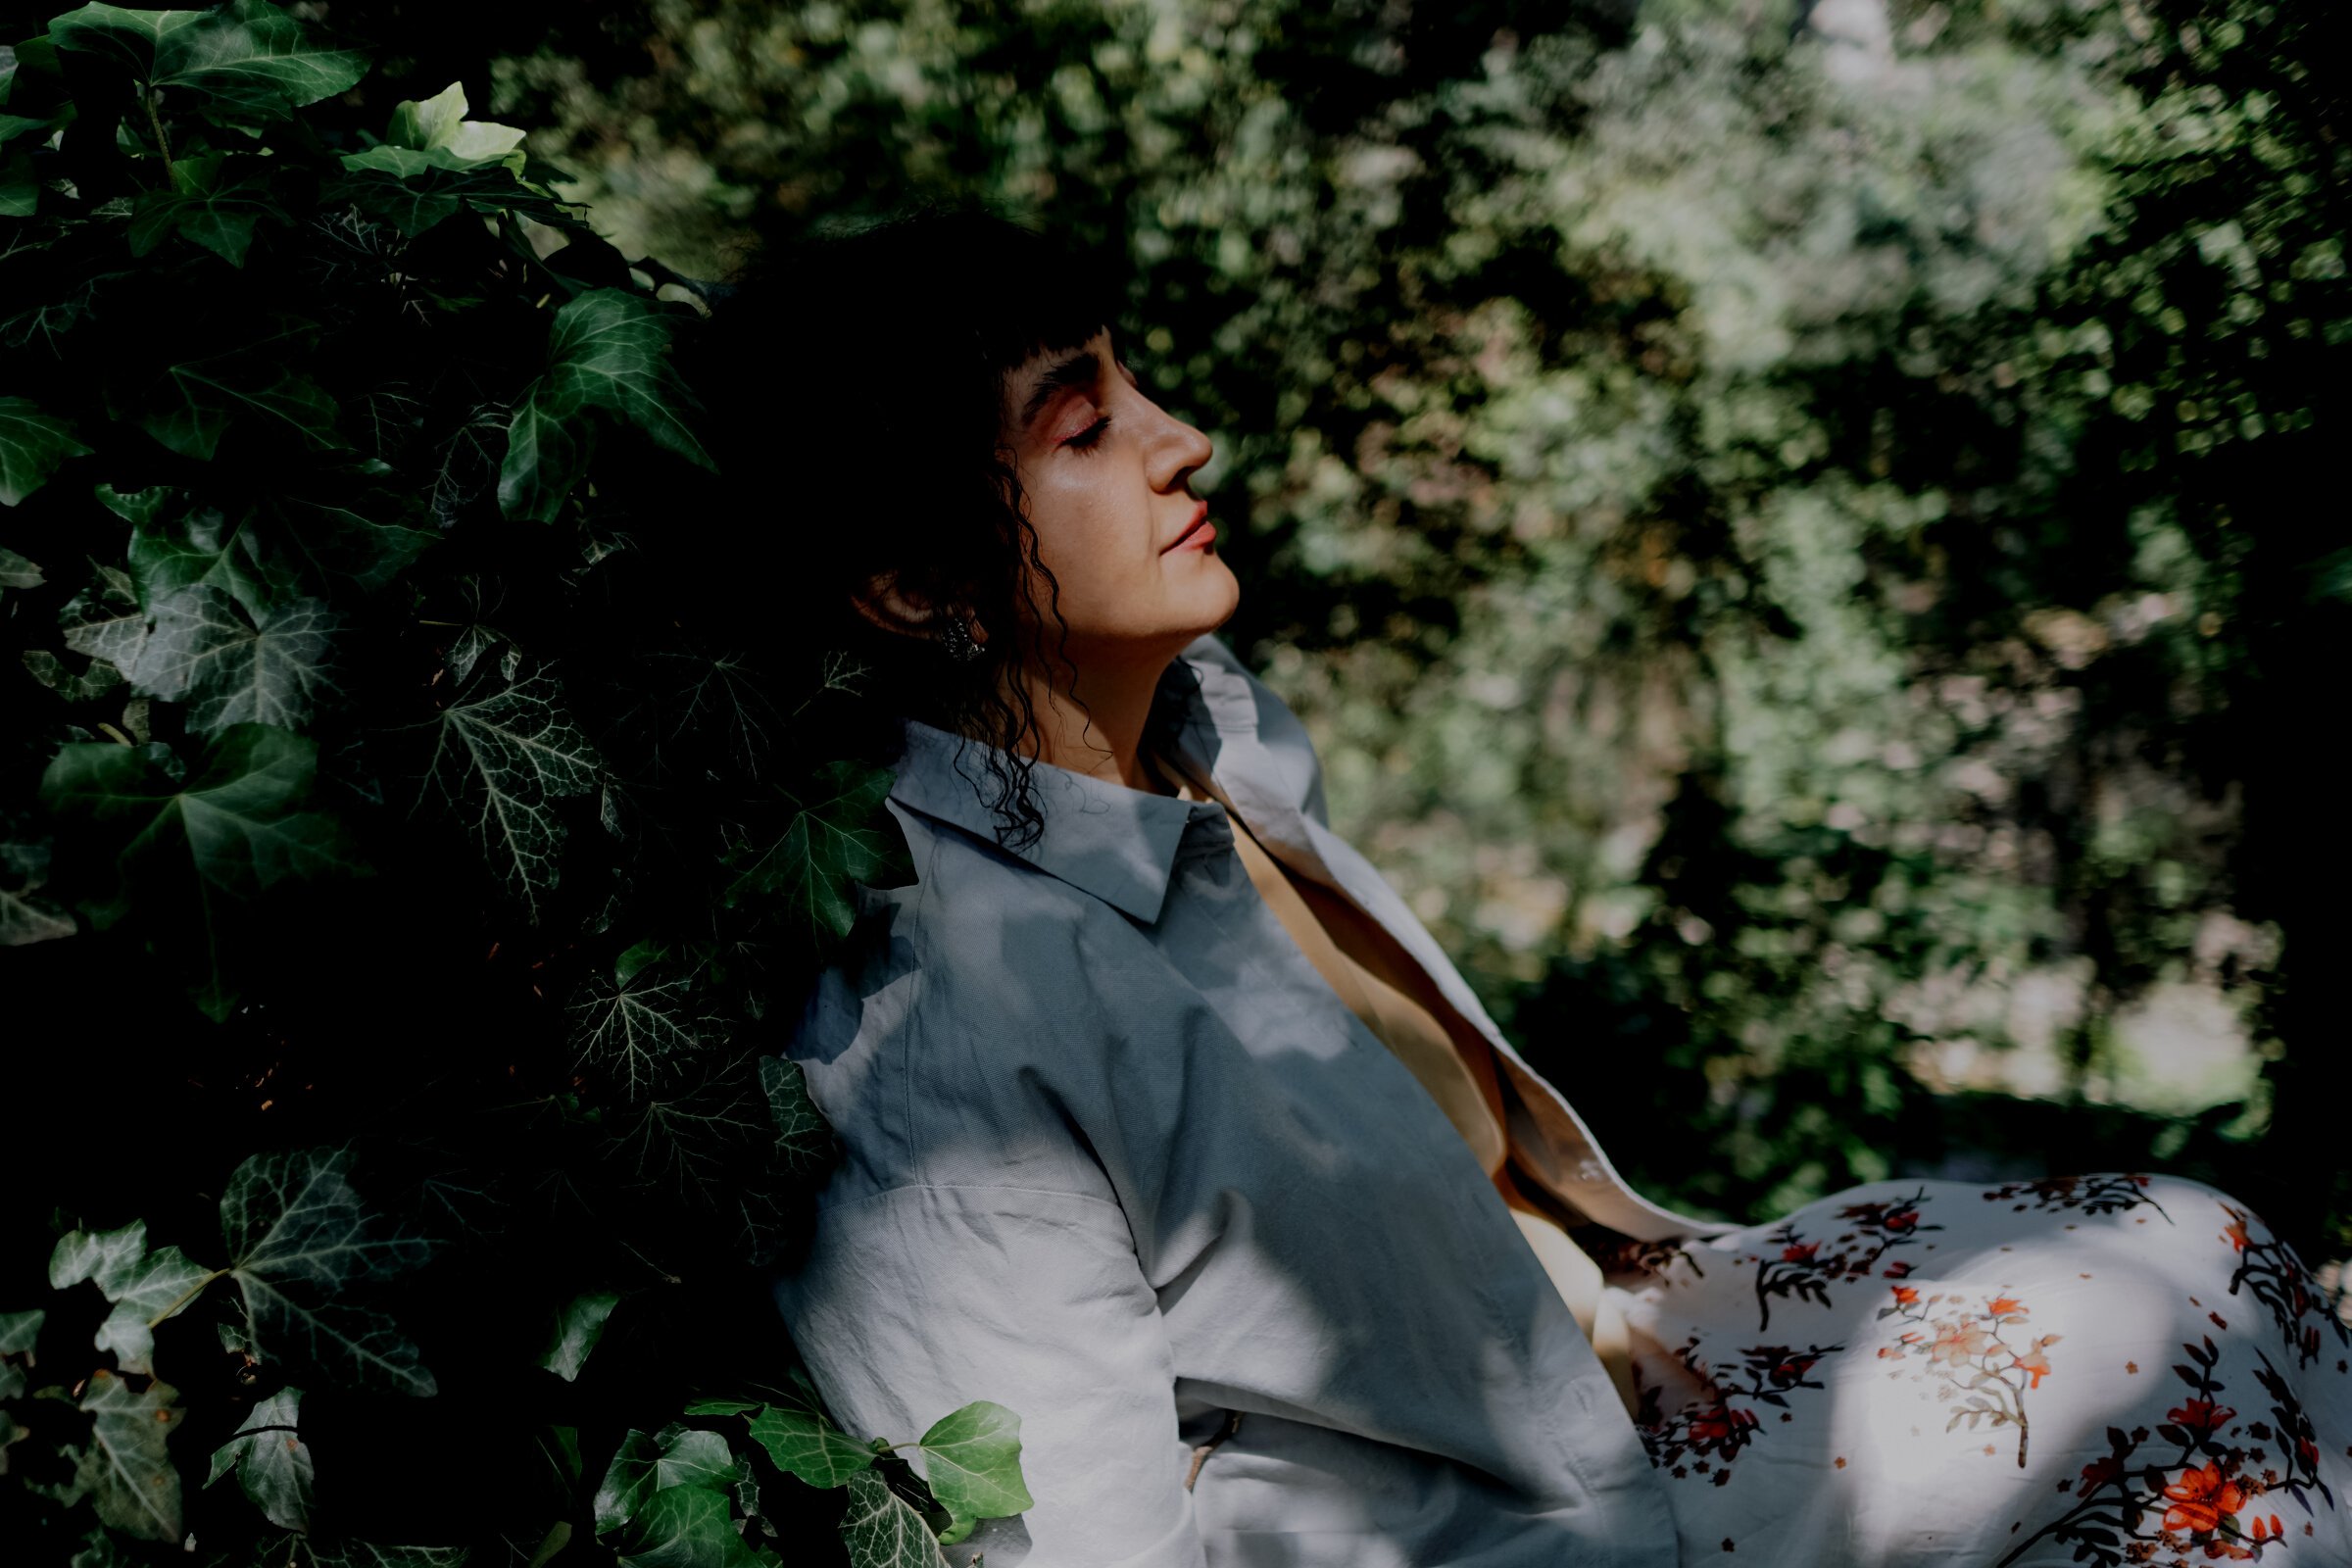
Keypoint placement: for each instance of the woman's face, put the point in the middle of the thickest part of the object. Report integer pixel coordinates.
(1108, 477)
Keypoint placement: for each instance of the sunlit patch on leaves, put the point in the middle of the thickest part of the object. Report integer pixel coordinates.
(204, 650)
(272, 1461)
(104, 621)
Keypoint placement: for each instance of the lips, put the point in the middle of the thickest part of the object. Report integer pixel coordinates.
(1199, 521)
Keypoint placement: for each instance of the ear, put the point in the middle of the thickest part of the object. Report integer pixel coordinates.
(891, 608)
(895, 609)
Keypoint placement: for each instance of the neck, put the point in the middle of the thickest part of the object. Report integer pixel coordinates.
(1104, 738)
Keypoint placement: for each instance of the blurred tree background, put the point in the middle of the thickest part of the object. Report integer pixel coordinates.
(1803, 533)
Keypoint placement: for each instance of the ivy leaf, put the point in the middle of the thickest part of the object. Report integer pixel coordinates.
(805, 1143)
(198, 208)
(638, 1027)
(608, 350)
(346, 1554)
(684, 1526)
(19, 1331)
(675, 1456)
(202, 650)
(440, 121)
(476, 641)
(578, 1326)
(95, 680)
(200, 549)
(501, 761)
(413, 190)
(798, 1438)
(843, 834)
(18, 572)
(972, 1460)
(246, 60)
(711, 1407)
(881, 1530)
(254, 385)
(272, 1461)
(25, 918)
(198, 853)
(342, 544)
(32, 446)
(146, 1291)
(548, 444)
(124, 1471)
(145, 1287)
(104, 622)
(301, 1240)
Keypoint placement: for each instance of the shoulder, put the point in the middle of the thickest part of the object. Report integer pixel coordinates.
(956, 1037)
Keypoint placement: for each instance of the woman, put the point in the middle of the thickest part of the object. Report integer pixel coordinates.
(1168, 1125)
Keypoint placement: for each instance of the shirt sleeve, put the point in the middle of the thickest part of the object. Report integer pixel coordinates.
(918, 1300)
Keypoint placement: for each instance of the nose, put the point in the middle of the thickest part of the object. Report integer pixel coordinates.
(1180, 449)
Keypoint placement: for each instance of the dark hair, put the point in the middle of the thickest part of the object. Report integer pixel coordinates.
(856, 382)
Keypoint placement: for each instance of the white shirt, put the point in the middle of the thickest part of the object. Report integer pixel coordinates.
(1118, 1157)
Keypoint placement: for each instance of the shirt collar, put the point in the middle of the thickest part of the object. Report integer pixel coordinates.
(1098, 835)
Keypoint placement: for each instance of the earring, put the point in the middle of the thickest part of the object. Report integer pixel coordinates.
(957, 637)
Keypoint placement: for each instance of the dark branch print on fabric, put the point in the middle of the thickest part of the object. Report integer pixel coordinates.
(1708, 1433)
(2107, 1192)
(2205, 1495)
(1621, 1254)
(2274, 1276)
(1969, 1351)
(1803, 1270)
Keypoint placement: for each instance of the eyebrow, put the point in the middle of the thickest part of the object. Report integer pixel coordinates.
(1078, 370)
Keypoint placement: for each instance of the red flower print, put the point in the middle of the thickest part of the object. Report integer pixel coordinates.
(1897, 1270)
(2099, 1472)
(2234, 1233)
(2002, 1305)
(1905, 1294)
(1718, 1427)
(1801, 1253)
(1902, 1219)
(2201, 1499)
(2200, 1415)
(2037, 1365)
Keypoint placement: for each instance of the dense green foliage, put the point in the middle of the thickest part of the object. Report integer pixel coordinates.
(1789, 523)
(1791, 526)
(409, 853)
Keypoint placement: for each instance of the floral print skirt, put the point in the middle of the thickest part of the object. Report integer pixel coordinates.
(2104, 1369)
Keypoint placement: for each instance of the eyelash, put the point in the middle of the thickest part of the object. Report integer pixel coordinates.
(1091, 438)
